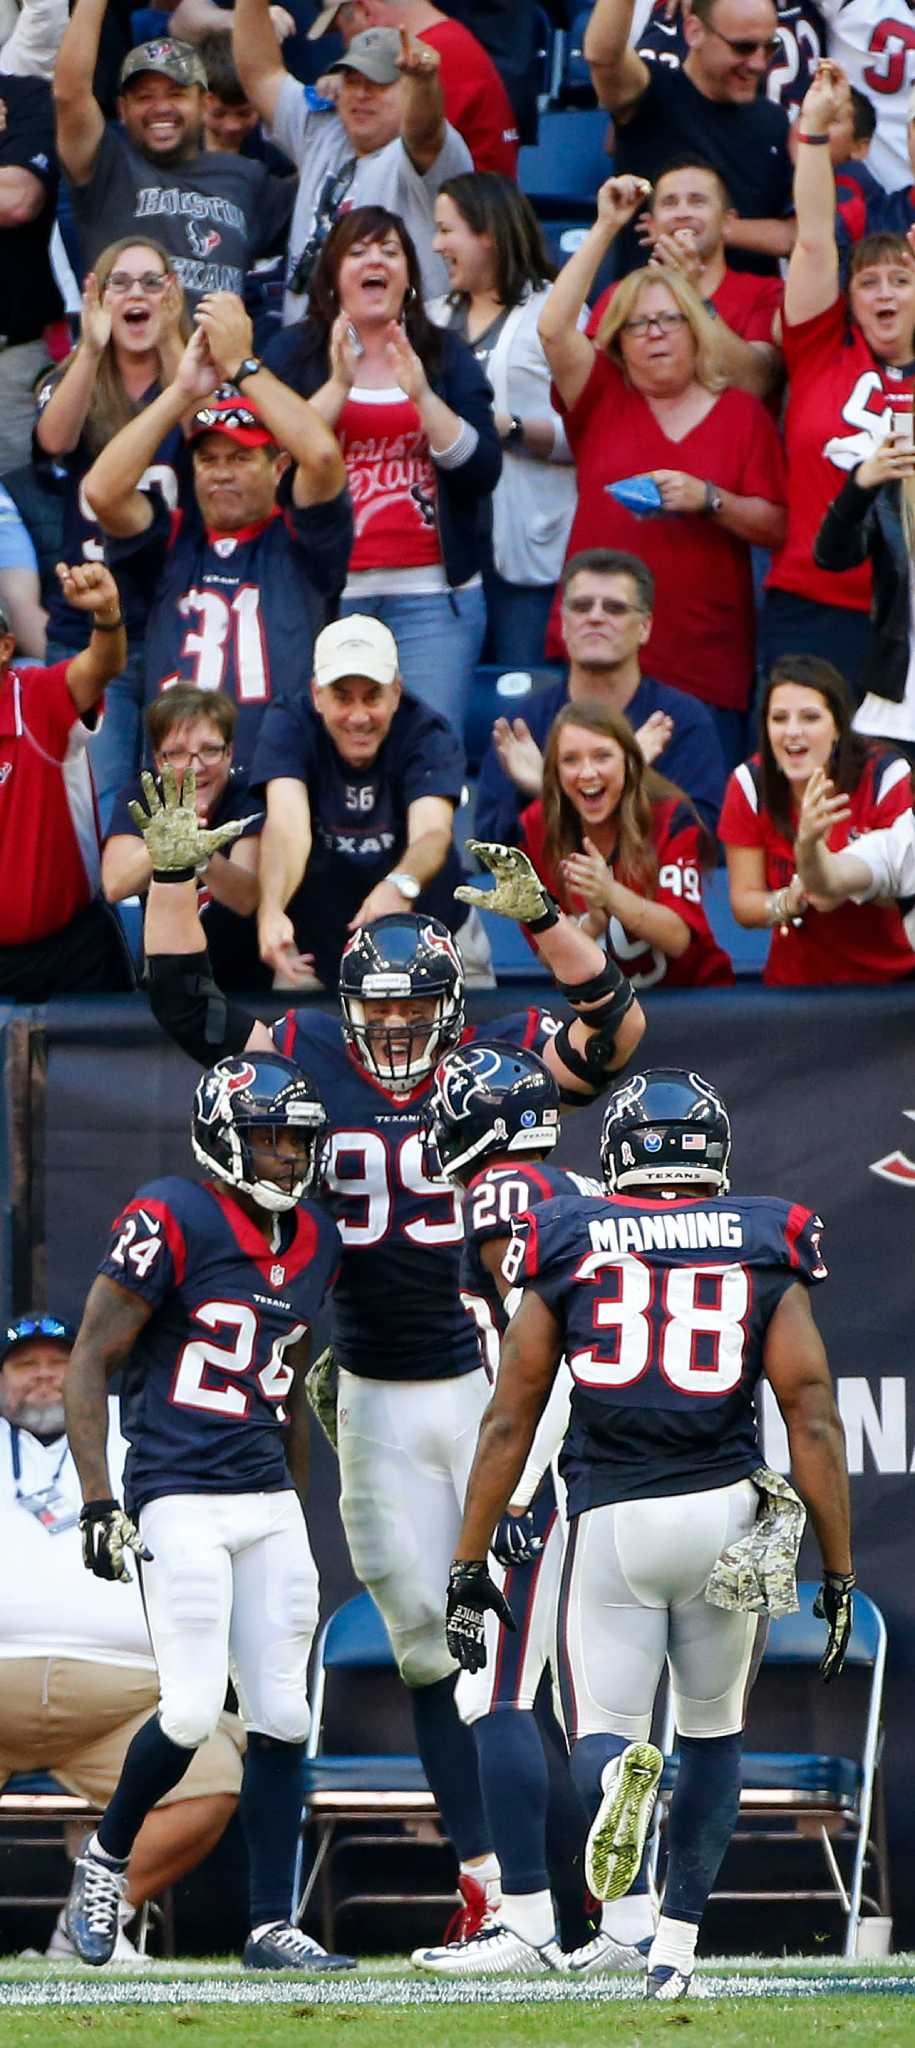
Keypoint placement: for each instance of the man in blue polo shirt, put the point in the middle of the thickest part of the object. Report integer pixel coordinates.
(607, 599)
(361, 786)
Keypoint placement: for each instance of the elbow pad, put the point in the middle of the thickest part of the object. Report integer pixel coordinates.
(609, 996)
(187, 1003)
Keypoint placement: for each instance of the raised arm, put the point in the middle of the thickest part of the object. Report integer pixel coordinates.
(31, 50)
(111, 485)
(835, 876)
(80, 121)
(422, 129)
(258, 57)
(90, 587)
(63, 418)
(618, 74)
(813, 272)
(294, 423)
(568, 351)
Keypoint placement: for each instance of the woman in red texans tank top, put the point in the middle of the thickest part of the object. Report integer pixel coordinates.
(412, 410)
(848, 356)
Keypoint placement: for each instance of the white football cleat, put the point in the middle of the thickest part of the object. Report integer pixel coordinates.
(495, 1952)
(666, 1981)
(603, 1954)
(613, 1851)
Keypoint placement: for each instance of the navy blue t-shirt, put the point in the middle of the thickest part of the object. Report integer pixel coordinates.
(231, 940)
(747, 144)
(692, 758)
(359, 816)
(202, 1400)
(663, 1308)
(239, 612)
(397, 1310)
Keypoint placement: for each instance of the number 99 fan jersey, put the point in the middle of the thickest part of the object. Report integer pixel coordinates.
(664, 1308)
(203, 1392)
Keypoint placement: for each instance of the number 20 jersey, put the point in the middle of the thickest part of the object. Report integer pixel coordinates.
(494, 1199)
(397, 1310)
(664, 1308)
(203, 1391)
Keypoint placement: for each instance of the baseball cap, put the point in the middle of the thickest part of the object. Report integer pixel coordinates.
(178, 61)
(374, 53)
(357, 646)
(226, 413)
(25, 1328)
(324, 21)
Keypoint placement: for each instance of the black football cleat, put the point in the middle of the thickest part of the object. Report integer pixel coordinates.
(91, 1914)
(286, 1948)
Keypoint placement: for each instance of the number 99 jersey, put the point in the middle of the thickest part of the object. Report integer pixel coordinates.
(664, 1308)
(203, 1391)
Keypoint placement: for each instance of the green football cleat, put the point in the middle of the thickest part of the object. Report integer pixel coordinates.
(613, 1851)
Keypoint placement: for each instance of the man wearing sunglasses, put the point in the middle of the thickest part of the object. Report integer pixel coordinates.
(715, 103)
(78, 1676)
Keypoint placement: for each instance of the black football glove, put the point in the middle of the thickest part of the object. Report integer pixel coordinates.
(516, 1540)
(107, 1533)
(833, 1605)
(470, 1592)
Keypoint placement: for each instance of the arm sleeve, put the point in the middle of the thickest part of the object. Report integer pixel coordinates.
(466, 388)
(680, 869)
(324, 532)
(433, 763)
(548, 1436)
(283, 746)
(844, 537)
(294, 121)
(890, 856)
(740, 823)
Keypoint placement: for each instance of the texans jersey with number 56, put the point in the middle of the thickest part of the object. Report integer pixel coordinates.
(397, 1311)
(664, 1308)
(203, 1392)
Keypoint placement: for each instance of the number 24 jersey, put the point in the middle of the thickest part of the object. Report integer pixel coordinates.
(664, 1308)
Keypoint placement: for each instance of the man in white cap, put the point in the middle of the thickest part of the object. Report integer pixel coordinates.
(387, 142)
(361, 785)
(213, 212)
(476, 102)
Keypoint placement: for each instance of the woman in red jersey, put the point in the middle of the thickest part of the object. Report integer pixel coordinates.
(847, 357)
(805, 724)
(624, 847)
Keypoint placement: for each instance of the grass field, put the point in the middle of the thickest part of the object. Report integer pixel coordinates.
(791, 2004)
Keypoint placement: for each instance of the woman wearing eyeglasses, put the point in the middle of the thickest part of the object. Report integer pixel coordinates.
(189, 728)
(134, 327)
(646, 398)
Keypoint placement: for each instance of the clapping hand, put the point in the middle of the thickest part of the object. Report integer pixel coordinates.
(344, 355)
(95, 319)
(519, 755)
(224, 319)
(588, 875)
(405, 363)
(654, 735)
(197, 375)
(678, 252)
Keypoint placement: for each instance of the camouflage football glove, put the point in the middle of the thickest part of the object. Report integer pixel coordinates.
(176, 841)
(471, 1592)
(515, 1540)
(833, 1604)
(107, 1533)
(321, 1391)
(519, 892)
(756, 1573)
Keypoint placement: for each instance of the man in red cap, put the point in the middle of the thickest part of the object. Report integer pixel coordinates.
(243, 572)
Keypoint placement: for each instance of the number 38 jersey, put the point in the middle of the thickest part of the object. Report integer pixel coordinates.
(664, 1308)
(203, 1392)
(397, 1311)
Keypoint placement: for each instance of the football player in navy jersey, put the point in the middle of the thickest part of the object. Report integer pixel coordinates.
(412, 1389)
(493, 1118)
(204, 1301)
(668, 1303)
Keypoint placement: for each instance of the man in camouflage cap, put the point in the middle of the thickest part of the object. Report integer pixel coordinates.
(215, 213)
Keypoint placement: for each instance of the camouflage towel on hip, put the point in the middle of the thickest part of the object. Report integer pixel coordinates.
(756, 1575)
(321, 1390)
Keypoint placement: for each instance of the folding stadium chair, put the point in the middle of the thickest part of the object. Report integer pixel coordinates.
(37, 1813)
(360, 1773)
(797, 1794)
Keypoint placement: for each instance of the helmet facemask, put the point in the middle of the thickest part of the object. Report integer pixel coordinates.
(228, 1122)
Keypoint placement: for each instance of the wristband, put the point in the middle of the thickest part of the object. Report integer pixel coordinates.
(175, 875)
(109, 626)
(546, 920)
(814, 141)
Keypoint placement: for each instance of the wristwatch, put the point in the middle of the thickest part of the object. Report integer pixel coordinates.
(515, 434)
(713, 499)
(407, 884)
(248, 368)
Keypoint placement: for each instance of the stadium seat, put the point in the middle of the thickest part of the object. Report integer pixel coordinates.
(37, 1813)
(361, 1770)
(810, 1791)
(746, 947)
(498, 692)
(574, 86)
(562, 170)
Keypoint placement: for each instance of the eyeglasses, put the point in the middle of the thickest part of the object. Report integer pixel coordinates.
(612, 607)
(36, 1326)
(178, 757)
(747, 46)
(666, 323)
(120, 282)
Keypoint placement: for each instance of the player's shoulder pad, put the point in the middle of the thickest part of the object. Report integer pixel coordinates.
(780, 1233)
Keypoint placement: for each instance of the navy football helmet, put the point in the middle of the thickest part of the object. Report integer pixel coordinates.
(488, 1101)
(407, 958)
(665, 1127)
(255, 1096)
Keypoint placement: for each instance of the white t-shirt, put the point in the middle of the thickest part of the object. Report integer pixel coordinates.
(333, 179)
(889, 853)
(50, 1605)
(874, 41)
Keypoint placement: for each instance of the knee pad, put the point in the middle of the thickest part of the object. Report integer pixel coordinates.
(187, 1721)
(423, 1656)
(283, 1719)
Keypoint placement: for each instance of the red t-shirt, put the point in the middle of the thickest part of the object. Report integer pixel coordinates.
(748, 304)
(836, 388)
(677, 840)
(392, 482)
(49, 838)
(858, 941)
(704, 634)
(476, 102)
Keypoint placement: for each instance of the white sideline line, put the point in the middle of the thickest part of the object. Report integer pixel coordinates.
(78, 1990)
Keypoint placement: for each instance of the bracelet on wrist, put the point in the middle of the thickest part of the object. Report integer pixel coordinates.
(813, 141)
(107, 625)
(174, 874)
